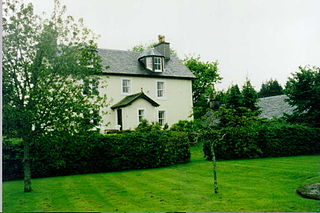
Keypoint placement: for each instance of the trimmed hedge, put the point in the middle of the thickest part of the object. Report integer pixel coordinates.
(98, 153)
(271, 139)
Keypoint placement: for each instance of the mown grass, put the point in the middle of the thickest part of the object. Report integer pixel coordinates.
(244, 185)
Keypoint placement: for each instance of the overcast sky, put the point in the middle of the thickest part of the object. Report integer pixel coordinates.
(258, 39)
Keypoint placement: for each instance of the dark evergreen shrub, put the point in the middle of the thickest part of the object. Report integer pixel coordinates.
(12, 156)
(61, 155)
(269, 139)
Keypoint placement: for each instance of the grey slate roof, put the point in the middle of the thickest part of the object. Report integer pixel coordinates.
(274, 106)
(150, 52)
(121, 62)
(131, 98)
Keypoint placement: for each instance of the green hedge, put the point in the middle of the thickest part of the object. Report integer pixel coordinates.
(62, 155)
(270, 139)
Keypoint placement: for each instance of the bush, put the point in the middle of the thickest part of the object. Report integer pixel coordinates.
(285, 139)
(269, 139)
(12, 156)
(98, 153)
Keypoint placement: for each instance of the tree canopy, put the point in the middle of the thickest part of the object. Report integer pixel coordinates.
(202, 87)
(270, 88)
(303, 91)
(237, 107)
(250, 97)
(45, 62)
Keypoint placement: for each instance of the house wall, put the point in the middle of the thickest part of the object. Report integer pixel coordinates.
(177, 102)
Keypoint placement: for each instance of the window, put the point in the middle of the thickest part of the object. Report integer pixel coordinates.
(149, 63)
(157, 64)
(126, 86)
(160, 89)
(140, 115)
(161, 116)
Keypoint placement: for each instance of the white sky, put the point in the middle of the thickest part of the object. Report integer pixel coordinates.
(258, 39)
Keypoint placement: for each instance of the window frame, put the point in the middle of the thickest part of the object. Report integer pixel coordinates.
(129, 86)
(149, 61)
(159, 63)
(163, 90)
(138, 115)
(164, 117)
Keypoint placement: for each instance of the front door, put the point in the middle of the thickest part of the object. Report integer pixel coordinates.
(119, 116)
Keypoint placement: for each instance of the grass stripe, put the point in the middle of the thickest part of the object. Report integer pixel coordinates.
(245, 185)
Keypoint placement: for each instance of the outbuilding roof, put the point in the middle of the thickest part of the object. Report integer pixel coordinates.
(131, 98)
(119, 62)
(274, 106)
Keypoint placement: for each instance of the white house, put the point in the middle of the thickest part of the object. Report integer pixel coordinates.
(153, 85)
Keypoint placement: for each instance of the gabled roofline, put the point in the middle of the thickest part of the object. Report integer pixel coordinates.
(128, 100)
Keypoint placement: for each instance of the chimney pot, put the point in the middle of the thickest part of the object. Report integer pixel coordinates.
(161, 38)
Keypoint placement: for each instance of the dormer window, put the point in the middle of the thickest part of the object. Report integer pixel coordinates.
(149, 63)
(157, 64)
(152, 60)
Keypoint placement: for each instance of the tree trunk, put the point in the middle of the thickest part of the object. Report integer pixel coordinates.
(26, 166)
(214, 169)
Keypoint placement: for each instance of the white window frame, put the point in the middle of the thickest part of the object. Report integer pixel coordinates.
(149, 63)
(164, 117)
(164, 90)
(129, 87)
(157, 63)
(144, 114)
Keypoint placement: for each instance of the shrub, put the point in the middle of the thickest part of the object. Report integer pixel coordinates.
(285, 139)
(192, 128)
(12, 156)
(269, 139)
(99, 153)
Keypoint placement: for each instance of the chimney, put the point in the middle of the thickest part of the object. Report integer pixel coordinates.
(163, 47)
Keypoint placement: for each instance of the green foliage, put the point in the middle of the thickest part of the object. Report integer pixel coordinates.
(250, 97)
(185, 126)
(12, 159)
(235, 117)
(65, 155)
(44, 62)
(234, 97)
(247, 97)
(202, 87)
(270, 88)
(145, 126)
(192, 128)
(303, 91)
(142, 47)
(238, 107)
(262, 139)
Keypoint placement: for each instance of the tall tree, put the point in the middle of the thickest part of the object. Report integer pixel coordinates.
(202, 87)
(234, 97)
(250, 97)
(270, 88)
(44, 63)
(303, 91)
(239, 107)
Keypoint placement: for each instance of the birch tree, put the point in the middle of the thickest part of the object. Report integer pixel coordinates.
(44, 59)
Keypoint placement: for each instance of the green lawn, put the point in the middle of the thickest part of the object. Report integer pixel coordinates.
(245, 185)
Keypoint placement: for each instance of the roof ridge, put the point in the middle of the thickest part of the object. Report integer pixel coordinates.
(119, 50)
